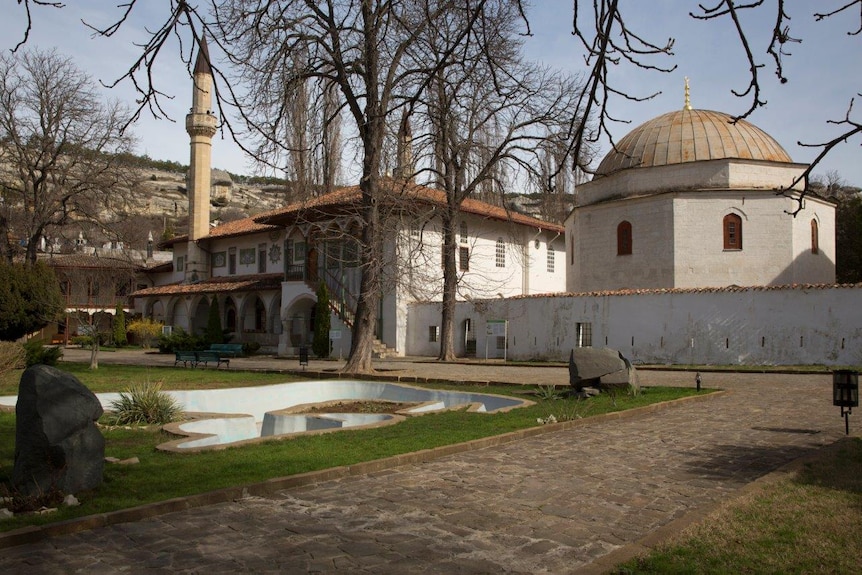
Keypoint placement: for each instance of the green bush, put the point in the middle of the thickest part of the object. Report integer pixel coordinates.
(250, 348)
(181, 340)
(145, 403)
(214, 333)
(322, 322)
(37, 353)
(30, 299)
(119, 327)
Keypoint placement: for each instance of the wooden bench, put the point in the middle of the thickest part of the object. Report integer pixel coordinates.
(186, 357)
(207, 357)
(227, 349)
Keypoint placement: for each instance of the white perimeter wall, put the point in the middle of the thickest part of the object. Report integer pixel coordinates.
(747, 326)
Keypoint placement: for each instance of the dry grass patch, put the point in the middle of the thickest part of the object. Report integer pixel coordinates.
(808, 522)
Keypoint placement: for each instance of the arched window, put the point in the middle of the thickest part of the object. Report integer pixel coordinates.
(815, 237)
(624, 239)
(732, 232)
(501, 253)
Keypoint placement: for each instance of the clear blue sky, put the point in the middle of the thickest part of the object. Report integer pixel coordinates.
(824, 71)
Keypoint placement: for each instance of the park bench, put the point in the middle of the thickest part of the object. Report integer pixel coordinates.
(227, 349)
(209, 356)
(186, 357)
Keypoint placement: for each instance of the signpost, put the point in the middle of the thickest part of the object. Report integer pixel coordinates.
(497, 328)
(335, 334)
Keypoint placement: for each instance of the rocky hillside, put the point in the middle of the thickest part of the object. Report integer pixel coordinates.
(165, 194)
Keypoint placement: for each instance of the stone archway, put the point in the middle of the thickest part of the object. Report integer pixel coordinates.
(297, 320)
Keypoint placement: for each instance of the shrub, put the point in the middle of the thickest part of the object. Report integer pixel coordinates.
(145, 330)
(119, 325)
(30, 299)
(181, 340)
(322, 322)
(145, 403)
(214, 333)
(36, 353)
(250, 347)
(12, 356)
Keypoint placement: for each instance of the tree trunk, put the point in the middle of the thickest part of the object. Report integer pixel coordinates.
(365, 324)
(94, 352)
(450, 288)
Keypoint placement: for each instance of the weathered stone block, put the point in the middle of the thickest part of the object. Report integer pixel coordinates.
(57, 443)
(600, 367)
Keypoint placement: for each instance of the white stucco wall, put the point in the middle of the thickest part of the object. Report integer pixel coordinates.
(678, 242)
(597, 265)
(753, 326)
(717, 174)
(808, 266)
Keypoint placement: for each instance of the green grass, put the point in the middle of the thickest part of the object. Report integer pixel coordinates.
(805, 523)
(160, 476)
(121, 377)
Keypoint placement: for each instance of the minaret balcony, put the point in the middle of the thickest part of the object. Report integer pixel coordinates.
(201, 124)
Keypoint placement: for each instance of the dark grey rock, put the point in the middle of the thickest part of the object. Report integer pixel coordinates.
(57, 443)
(600, 367)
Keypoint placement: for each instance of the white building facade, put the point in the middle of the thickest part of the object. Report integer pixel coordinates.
(690, 199)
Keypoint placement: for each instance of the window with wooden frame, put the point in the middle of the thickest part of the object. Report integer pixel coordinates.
(624, 239)
(815, 237)
(464, 258)
(732, 232)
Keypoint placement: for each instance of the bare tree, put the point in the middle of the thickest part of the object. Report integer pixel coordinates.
(61, 159)
(610, 39)
(360, 47)
(485, 111)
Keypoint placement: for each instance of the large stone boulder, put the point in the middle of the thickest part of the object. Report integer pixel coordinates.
(600, 367)
(57, 443)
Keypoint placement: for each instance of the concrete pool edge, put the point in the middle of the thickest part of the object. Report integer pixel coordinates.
(32, 534)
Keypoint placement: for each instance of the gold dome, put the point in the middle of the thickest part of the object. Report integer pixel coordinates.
(691, 136)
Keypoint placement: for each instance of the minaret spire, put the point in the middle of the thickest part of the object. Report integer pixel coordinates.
(687, 105)
(201, 127)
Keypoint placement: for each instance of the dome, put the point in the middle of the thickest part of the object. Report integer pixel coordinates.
(691, 136)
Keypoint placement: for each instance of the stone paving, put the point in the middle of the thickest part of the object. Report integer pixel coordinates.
(571, 501)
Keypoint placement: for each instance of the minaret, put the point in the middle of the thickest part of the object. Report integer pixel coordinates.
(404, 168)
(201, 126)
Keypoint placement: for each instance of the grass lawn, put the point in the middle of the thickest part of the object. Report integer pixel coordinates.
(810, 522)
(160, 476)
(120, 377)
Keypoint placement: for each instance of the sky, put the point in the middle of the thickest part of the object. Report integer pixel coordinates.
(824, 71)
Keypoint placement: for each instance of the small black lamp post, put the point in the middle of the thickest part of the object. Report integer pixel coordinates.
(303, 357)
(697, 380)
(845, 393)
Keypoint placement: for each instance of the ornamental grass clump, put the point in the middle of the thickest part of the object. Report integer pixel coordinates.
(145, 403)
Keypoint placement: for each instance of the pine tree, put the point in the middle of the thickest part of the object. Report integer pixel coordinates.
(214, 333)
(120, 338)
(322, 323)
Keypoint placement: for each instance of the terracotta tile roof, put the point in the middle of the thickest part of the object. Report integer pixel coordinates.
(350, 196)
(90, 261)
(222, 284)
(235, 228)
(160, 268)
(700, 290)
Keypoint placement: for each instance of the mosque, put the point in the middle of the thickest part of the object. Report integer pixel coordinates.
(687, 200)
(682, 249)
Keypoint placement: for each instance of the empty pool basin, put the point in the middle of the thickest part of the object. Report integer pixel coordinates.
(230, 416)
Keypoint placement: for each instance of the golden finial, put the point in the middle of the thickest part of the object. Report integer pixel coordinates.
(687, 96)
